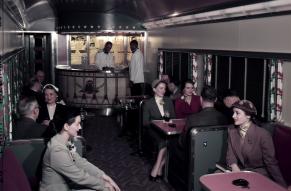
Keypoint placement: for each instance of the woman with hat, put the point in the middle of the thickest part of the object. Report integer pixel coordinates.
(250, 147)
(157, 108)
(64, 169)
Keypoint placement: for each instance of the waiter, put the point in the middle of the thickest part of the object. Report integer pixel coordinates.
(136, 75)
(105, 58)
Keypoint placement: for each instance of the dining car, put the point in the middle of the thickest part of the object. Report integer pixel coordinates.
(145, 95)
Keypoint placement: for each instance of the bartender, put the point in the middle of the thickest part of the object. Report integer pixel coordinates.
(105, 59)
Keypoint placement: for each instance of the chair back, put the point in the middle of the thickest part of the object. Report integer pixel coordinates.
(14, 178)
(208, 146)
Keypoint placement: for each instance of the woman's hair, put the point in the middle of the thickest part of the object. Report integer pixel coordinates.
(186, 82)
(70, 116)
(157, 82)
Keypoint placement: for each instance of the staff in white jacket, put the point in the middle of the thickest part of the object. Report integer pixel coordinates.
(136, 74)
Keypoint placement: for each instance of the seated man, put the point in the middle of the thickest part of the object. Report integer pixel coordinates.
(208, 116)
(174, 89)
(26, 127)
(34, 89)
(230, 97)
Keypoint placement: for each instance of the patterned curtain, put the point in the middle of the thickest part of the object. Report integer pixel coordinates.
(161, 65)
(207, 69)
(194, 71)
(276, 90)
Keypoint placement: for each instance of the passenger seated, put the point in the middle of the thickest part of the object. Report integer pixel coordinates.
(173, 87)
(26, 127)
(208, 116)
(64, 169)
(229, 98)
(40, 76)
(157, 108)
(52, 113)
(34, 89)
(249, 146)
(188, 103)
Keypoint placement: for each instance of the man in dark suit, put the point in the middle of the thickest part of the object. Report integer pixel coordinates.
(26, 127)
(208, 116)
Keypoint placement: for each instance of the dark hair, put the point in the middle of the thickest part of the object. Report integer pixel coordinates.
(71, 115)
(209, 94)
(107, 43)
(230, 93)
(187, 82)
(134, 42)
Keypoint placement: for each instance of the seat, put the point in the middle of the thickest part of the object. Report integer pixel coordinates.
(207, 146)
(14, 178)
(282, 144)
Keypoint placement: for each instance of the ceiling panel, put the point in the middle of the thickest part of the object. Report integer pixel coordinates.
(145, 10)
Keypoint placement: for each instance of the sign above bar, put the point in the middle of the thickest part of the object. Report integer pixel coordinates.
(93, 22)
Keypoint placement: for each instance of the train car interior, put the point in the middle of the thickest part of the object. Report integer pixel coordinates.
(145, 95)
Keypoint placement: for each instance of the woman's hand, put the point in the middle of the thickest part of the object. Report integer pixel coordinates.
(45, 122)
(111, 182)
(234, 168)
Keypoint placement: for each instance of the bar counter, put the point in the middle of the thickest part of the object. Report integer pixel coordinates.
(91, 88)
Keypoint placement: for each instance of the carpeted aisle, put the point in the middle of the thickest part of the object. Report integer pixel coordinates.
(112, 154)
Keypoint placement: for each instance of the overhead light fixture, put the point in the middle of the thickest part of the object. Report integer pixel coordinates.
(234, 12)
(174, 14)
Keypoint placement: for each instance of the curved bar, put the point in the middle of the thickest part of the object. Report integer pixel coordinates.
(85, 87)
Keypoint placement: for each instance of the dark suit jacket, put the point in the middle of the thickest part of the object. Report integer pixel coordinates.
(56, 123)
(27, 128)
(152, 112)
(257, 152)
(206, 117)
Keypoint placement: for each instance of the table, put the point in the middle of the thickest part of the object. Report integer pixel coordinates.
(164, 127)
(223, 182)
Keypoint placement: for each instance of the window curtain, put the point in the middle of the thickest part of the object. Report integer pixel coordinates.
(161, 64)
(207, 69)
(276, 90)
(194, 71)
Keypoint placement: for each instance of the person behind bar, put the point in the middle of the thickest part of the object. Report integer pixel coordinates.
(251, 147)
(105, 59)
(136, 75)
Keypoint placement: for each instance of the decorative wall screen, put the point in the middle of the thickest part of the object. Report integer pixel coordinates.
(13, 69)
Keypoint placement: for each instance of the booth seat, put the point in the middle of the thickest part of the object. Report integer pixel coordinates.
(282, 143)
(24, 157)
(206, 147)
(14, 178)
